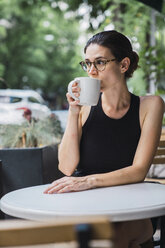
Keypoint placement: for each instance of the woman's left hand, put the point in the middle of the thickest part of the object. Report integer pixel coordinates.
(70, 184)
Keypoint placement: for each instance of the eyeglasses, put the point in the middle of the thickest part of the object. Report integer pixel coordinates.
(99, 64)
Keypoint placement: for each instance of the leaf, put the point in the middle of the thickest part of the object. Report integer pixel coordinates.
(37, 133)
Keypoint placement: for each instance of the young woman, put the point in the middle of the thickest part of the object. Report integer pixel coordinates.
(114, 142)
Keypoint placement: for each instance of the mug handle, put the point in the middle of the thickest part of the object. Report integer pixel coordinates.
(70, 89)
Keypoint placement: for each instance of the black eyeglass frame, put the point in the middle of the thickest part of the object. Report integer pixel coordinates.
(94, 63)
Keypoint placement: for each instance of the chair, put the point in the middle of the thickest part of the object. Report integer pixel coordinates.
(82, 230)
(159, 159)
(159, 223)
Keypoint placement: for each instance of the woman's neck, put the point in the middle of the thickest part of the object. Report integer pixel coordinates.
(116, 101)
(116, 98)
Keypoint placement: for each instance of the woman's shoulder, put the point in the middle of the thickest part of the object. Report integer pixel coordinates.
(152, 103)
(151, 99)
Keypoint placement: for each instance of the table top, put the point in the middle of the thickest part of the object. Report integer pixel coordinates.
(120, 203)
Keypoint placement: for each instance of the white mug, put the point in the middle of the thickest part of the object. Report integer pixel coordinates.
(89, 90)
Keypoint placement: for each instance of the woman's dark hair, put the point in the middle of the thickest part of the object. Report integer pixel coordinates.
(119, 46)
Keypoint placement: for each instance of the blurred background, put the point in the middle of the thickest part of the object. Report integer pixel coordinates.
(41, 44)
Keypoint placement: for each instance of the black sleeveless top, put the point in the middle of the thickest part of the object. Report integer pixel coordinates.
(109, 144)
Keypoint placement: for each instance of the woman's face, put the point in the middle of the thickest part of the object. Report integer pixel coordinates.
(112, 72)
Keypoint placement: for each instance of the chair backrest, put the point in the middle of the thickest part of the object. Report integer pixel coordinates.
(160, 153)
(23, 232)
(158, 161)
(159, 157)
(163, 134)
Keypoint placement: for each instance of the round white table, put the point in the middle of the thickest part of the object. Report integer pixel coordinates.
(120, 203)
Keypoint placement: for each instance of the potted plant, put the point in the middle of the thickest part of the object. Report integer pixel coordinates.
(29, 153)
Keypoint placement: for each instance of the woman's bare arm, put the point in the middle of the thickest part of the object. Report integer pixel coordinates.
(68, 154)
(69, 149)
(151, 125)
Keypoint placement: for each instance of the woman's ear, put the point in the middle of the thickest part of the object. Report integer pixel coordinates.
(124, 64)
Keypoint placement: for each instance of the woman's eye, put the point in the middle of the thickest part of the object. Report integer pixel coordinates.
(88, 64)
(100, 62)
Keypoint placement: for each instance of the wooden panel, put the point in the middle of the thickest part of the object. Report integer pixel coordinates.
(162, 143)
(160, 151)
(34, 236)
(159, 160)
(163, 130)
(20, 232)
(162, 137)
(156, 180)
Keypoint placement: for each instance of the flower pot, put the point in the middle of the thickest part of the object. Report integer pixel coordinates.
(25, 167)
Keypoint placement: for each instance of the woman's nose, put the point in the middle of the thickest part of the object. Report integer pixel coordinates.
(92, 70)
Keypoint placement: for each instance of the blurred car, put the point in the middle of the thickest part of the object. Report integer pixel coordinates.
(9, 116)
(14, 101)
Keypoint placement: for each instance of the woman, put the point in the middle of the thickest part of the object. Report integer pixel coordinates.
(114, 142)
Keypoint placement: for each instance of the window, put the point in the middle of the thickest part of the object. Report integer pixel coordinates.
(33, 99)
(4, 99)
(14, 99)
(9, 99)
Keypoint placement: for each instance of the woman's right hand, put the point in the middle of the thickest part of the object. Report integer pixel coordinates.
(74, 106)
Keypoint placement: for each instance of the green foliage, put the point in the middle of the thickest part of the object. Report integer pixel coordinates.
(39, 41)
(38, 46)
(133, 19)
(40, 133)
(136, 84)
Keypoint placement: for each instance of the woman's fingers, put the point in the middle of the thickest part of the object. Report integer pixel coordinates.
(48, 189)
(60, 188)
(75, 89)
(55, 183)
(72, 101)
(65, 189)
(57, 188)
(67, 184)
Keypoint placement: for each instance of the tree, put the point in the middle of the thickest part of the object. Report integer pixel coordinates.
(133, 19)
(38, 46)
(39, 41)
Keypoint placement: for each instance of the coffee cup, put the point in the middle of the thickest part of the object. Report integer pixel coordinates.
(89, 90)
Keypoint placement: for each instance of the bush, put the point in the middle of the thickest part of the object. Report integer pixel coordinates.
(35, 134)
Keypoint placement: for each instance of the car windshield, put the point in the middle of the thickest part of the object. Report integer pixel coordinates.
(9, 99)
(32, 99)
